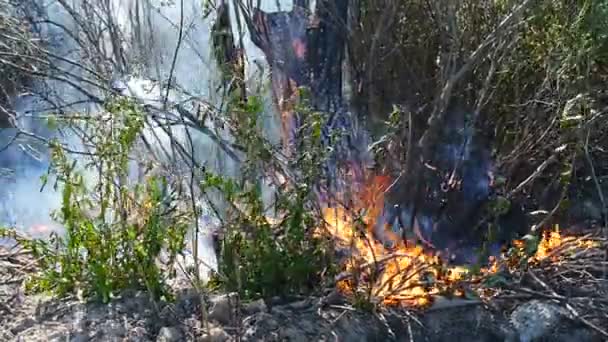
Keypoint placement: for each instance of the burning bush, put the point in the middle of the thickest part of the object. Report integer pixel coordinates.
(263, 257)
(516, 70)
(122, 234)
(569, 269)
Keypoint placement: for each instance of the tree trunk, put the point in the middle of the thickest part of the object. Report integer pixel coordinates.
(303, 49)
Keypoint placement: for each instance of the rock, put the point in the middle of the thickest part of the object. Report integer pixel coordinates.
(292, 335)
(300, 305)
(288, 324)
(255, 307)
(307, 326)
(169, 334)
(357, 327)
(447, 320)
(260, 326)
(112, 331)
(222, 308)
(216, 335)
(536, 319)
(332, 298)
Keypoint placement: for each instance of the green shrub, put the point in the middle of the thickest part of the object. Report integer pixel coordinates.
(263, 259)
(114, 232)
(260, 259)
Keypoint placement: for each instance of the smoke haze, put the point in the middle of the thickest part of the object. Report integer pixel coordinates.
(135, 49)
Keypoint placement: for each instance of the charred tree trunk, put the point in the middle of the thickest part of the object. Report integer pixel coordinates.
(446, 176)
(326, 40)
(306, 49)
(303, 49)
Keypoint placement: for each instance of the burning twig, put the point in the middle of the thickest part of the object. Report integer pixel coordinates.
(348, 274)
(565, 269)
(404, 282)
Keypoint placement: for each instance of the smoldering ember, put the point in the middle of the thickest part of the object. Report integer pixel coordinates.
(294, 170)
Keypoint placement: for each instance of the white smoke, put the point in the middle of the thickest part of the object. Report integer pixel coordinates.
(130, 41)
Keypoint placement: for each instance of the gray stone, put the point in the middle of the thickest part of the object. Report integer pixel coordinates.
(255, 307)
(355, 327)
(332, 298)
(216, 335)
(307, 326)
(536, 319)
(293, 335)
(222, 308)
(112, 331)
(300, 305)
(260, 326)
(169, 334)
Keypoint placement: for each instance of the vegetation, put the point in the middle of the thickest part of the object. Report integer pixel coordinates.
(116, 232)
(260, 258)
(529, 75)
(127, 234)
(18, 57)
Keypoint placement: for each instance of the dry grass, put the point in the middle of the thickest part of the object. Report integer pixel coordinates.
(574, 274)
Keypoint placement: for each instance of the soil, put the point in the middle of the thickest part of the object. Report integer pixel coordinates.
(134, 317)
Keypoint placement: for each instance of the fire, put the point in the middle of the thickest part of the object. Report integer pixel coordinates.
(401, 274)
(554, 241)
(550, 242)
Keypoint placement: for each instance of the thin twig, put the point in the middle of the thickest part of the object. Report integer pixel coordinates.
(176, 52)
(568, 306)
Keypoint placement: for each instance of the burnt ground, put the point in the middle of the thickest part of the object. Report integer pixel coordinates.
(134, 317)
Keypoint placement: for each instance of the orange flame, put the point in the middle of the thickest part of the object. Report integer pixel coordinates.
(403, 274)
(550, 241)
(553, 242)
(398, 274)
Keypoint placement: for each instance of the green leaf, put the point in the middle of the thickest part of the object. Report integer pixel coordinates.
(495, 280)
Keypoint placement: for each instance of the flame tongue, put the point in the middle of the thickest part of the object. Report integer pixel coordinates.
(401, 273)
(404, 273)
